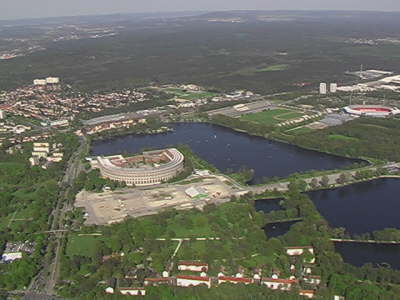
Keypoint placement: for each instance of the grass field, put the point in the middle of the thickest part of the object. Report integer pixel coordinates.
(193, 225)
(82, 245)
(299, 130)
(342, 137)
(274, 68)
(272, 117)
(190, 95)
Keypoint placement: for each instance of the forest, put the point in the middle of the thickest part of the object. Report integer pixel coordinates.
(27, 196)
(228, 56)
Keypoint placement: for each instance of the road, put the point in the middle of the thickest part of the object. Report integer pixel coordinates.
(46, 280)
(284, 186)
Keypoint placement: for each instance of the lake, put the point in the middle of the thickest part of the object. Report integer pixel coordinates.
(228, 150)
(267, 205)
(362, 207)
(359, 254)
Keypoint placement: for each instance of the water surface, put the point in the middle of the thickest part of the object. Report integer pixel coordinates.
(362, 207)
(277, 229)
(267, 205)
(228, 150)
(359, 254)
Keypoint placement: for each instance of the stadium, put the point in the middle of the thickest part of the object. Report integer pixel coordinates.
(152, 167)
(371, 110)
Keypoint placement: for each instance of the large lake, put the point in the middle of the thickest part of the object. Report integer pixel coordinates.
(228, 150)
(362, 207)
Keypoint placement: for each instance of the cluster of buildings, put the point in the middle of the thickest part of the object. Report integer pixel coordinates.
(110, 125)
(150, 168)
(300, 120)
(373, 42)
(9, 126)
(182, 102)
(194, 273)
(45, 154)
(23, 51)
(47, 83)
(391, 83)
(16, 141)
(15, 251)
(46, 102)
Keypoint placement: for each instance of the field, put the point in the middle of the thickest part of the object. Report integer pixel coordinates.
(82, 245)
(299, 130)
(274, 68)
(190, 95)
(272, 117)
(342, 137)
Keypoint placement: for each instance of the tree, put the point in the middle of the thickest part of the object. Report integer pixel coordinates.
(314, 183)
(324, 181)
(342, 179)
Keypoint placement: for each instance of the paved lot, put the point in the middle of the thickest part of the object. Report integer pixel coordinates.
(110, 207)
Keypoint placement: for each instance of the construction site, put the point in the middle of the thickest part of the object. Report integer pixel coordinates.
(195, 192)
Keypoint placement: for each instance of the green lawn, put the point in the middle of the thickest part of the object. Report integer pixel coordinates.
(271, 117)
(342, 137)
(194, 226)
(299, 130)
(274, 68)
(82, 245)
(190, 95)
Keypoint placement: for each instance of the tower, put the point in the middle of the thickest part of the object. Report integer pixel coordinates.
(322, 88)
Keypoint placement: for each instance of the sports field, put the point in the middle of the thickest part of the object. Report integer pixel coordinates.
(272, 117)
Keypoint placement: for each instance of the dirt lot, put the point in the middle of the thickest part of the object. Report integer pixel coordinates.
(109, 207)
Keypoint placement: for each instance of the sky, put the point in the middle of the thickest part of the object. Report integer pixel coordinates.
(16, 9)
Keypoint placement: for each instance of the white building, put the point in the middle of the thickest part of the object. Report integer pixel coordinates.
(194, 192)
(2, 114)
(315, 280)
(60, 123)
(39, 82)
(333, 87)
(109, 290)
(307, 293)
(234, 280)
(295, 251)
(133, 291)
(10, 257)
(187, 281)
(322, 88)
(52, 80)
(279, 284)
(192, 266)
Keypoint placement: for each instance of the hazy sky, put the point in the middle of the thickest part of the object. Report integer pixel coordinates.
(11, 9)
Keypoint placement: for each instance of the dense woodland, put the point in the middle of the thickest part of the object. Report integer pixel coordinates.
(215, 54)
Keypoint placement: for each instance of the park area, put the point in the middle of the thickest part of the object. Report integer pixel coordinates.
(272, 117)
(190, 95)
